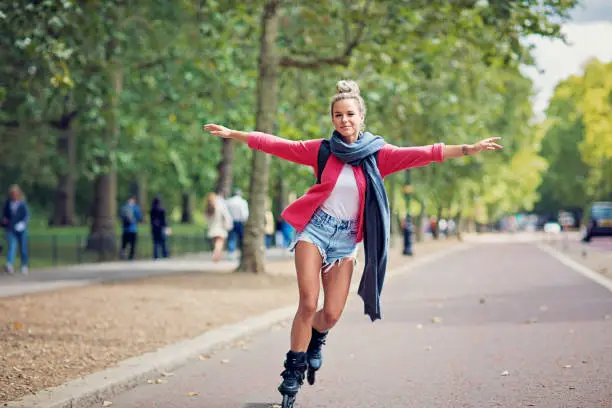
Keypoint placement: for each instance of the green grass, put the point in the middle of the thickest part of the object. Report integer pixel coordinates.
(55, 246)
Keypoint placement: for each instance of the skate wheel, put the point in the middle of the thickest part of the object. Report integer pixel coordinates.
(288, 401)
(310, 376)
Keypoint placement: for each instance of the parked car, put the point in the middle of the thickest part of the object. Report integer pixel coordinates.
(598, 220)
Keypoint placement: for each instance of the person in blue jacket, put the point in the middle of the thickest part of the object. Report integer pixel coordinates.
(130, 217)
(15, 218)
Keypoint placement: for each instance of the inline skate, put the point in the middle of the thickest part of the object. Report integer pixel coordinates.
(293, 377)
(315, 359)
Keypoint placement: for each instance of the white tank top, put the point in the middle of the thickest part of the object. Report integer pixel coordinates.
(343, 202)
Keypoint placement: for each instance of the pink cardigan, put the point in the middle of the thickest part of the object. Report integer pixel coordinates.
(390, 160)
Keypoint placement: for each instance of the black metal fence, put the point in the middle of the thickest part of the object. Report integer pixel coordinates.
(54, 250)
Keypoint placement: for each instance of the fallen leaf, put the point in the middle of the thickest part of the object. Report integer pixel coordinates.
(17, 325)
(567, 366)
(192, 394)
(203, 357)
(167, 374)
(107, 403)
(504, 373)
(436, 319)
(160, 381)
(150, 382)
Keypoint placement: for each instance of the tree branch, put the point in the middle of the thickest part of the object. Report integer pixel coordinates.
(63, 122)
(149, 64)
(296, 62)
(342, 59)
(10, 123)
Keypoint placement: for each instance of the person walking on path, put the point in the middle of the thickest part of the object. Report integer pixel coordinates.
(159, 228)
(348, 204)
(15, 218)
(130, 217)
(219, 223)
(239, 210)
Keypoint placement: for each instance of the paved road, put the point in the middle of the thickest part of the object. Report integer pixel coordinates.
(515, 328)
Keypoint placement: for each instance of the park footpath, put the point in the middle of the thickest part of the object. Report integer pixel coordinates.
(100, 388)
(47, 279)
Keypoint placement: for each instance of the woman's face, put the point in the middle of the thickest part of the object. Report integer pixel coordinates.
(347, 119)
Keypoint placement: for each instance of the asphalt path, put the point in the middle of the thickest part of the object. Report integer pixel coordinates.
(492, 325)
(46, 279)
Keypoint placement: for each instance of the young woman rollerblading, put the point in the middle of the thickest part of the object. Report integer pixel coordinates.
(347, 205)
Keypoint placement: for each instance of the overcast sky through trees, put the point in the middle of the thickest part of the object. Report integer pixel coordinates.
(589, 35)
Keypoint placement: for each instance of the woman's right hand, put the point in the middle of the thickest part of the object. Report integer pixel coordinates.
(218, 130)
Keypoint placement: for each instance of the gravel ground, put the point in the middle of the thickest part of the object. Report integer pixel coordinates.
(47, 339)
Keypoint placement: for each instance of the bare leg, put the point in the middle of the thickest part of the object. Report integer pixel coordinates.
(308, 263)
(217, 249)
(336, 285)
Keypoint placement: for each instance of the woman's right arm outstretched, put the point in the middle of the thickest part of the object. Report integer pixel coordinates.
(301, 152)
(226, 133)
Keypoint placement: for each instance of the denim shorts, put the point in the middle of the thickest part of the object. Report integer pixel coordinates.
(333, 237)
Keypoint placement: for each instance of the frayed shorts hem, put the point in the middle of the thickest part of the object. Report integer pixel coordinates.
(328, 263)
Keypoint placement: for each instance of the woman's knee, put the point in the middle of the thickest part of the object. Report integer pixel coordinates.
(331, 315)
(307, 307)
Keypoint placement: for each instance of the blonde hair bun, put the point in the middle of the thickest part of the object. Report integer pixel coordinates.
(347, 86)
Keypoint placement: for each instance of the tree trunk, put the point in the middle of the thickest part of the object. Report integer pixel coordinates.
(458, 222)
(438, 218)
(187, 208)
(252, 258)
(64, 212)
(103, 236)
(281, 197)
(224, 184)
(418, 231)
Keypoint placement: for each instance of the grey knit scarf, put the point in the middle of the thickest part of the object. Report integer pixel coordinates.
(375, 214)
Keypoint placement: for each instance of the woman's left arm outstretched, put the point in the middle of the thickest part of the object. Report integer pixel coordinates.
(452, 151)
(393, 159)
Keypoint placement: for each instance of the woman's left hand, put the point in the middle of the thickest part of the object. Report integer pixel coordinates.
(485, 144)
